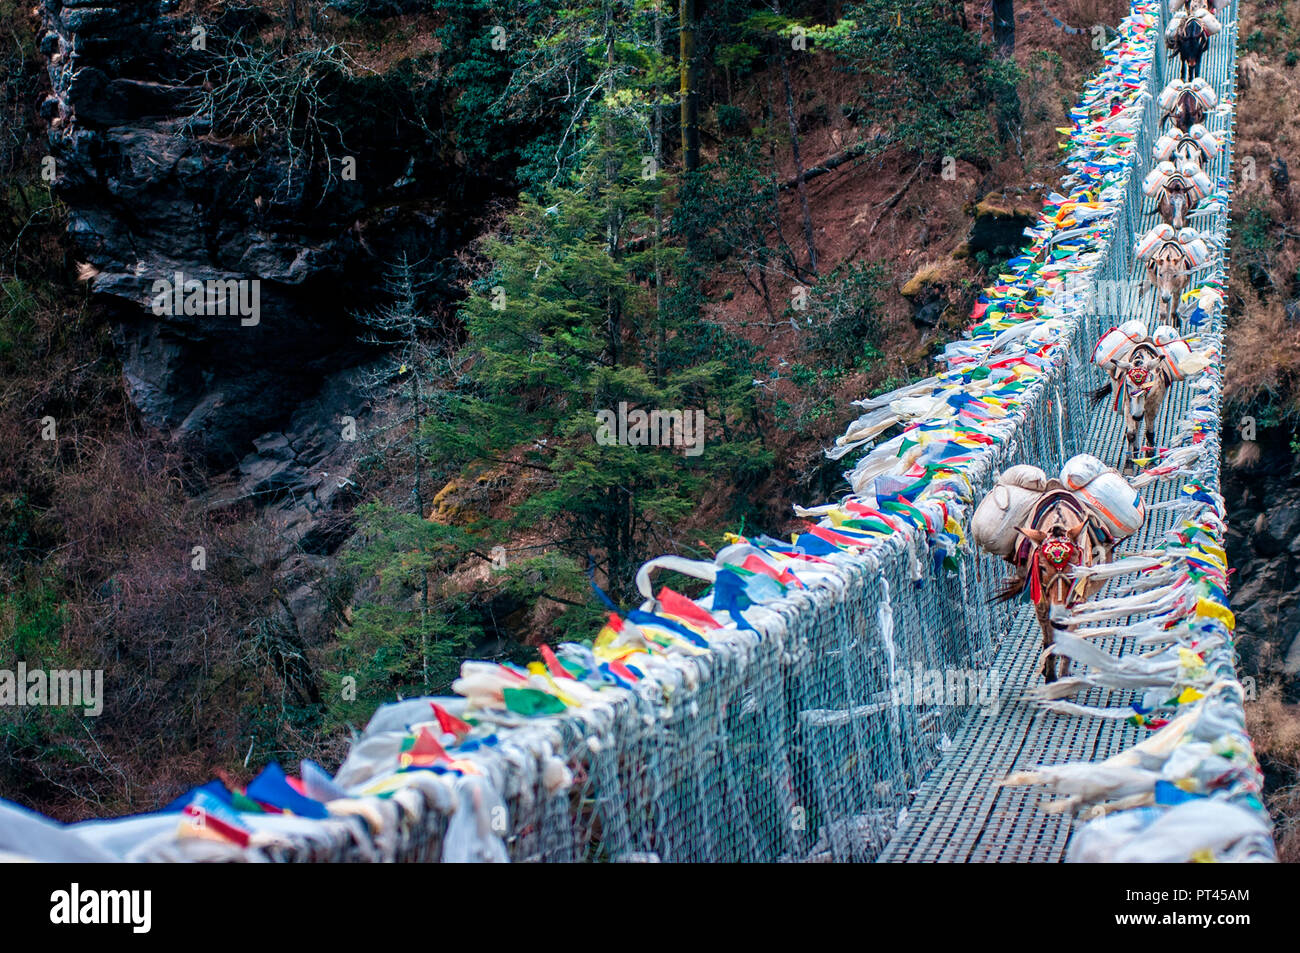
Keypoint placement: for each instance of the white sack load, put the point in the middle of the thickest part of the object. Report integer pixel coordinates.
(1117, 343)
(1205, 93)
(1169, 95)
(1175, 25)
(1111, 499)
(1196, 177)
(1208, 142)
(1153, 239)
(1163, 150)
(1209, 21)
(1009, 505)
(1155, 179)
(1173, 350)
(1194, 246)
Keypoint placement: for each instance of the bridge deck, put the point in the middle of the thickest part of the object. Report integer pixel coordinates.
(959, 813)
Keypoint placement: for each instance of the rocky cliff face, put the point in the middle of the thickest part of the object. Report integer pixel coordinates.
(157, 194)
(1263, 547)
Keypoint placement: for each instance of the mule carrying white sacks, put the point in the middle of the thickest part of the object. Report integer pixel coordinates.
(1202, 90)
(1008, 506)
(1109, 497)
(1117, 343)
(1209, 23)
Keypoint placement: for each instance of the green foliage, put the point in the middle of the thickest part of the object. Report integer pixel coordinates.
(732, 120)
(738, 58)
(843, 315)
(526, 107)
(397, 641)
(31, 619)
(927, 83)
(490, 124)
(593, 321)
(1256, 234)
(31, 623)
(731, 212)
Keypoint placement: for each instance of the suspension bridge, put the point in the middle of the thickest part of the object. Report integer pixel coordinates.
(779, 734)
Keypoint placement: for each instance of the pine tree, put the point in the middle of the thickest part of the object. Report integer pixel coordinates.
(588, 309)
(395, 637)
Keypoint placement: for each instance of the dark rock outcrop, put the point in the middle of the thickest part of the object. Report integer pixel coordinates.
(1263, 545)
(154, 192)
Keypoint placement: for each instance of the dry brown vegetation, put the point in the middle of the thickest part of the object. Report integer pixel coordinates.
(1275, 729)
(1264, 346)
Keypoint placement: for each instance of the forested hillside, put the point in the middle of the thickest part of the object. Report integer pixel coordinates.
(477, 227)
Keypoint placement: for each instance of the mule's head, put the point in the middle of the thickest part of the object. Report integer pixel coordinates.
(1176, 202)
(1170, 269)
(1143, 358)
(1057, 537)
(1059, 543)
(1145, 373)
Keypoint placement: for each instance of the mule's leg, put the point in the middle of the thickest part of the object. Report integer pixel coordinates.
(1131, 437)
(1043, 610)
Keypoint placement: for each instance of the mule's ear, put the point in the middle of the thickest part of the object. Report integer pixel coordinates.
(1124, 365)
(1076, 529)
(1031, 534)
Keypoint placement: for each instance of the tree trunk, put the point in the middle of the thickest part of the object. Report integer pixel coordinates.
(417, 492)
(661, 335)
(798, 165)
(419, 508)
(1004, 26)
(689, 93)
(792, 121)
